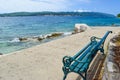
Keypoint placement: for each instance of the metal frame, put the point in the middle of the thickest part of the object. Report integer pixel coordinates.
(67, 60)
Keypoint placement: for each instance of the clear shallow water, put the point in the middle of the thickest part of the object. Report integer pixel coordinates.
(15, 27)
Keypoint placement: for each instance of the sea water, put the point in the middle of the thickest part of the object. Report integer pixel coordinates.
(13, 28)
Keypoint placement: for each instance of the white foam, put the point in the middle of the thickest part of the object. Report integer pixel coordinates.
(45, 36)
(15, 40)
(67, 33)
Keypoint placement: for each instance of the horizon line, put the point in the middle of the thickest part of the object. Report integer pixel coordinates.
(55, 11)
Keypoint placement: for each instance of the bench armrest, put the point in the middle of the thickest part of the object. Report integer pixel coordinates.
(67, 61)
(81, 61)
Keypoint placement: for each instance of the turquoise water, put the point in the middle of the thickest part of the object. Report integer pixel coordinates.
(12, 28)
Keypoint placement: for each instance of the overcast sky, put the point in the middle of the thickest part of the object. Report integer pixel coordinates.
(106, 6)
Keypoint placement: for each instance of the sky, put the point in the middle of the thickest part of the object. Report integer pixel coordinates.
(105, 6)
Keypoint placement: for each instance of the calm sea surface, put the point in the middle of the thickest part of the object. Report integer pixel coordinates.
(12, 28)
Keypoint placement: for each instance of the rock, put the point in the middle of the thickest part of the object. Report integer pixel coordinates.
(81, 27)
(1, 53)
(37, 38)
(54, 35)
(23, 39)
(33, 39)
(115, 40)
(40, 38)
(74, 32)
(112, 65)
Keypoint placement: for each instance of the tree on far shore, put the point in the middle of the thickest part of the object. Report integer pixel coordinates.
(118, 15)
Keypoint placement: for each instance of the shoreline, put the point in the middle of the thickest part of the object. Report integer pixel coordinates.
(19, 43)
(27, 42)
(60, 35)
(44, 61)
(42, 39)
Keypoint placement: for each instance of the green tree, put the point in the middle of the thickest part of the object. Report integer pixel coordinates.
(118, 15)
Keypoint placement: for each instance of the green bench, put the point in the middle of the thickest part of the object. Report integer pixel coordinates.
(80, 62)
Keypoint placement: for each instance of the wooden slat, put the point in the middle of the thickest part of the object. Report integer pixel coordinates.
(95, 67)
(98, 72)
(91, 70)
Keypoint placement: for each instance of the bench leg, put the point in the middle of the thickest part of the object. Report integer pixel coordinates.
(65, 75)
(66, 71)
(84, 77)
(102, 50)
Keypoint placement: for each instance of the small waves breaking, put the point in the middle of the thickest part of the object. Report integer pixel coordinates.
(15, 40)
(41, 37)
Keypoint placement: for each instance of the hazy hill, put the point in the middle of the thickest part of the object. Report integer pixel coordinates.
(89, 14)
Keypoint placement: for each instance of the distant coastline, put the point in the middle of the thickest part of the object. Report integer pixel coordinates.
(93, 14)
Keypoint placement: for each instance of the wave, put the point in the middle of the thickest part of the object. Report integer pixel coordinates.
(15, 40)
(67, 33)
(41, 37)
(24, 42)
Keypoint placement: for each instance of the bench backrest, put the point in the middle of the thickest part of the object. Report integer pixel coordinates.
(84, 57)
(98, 45)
